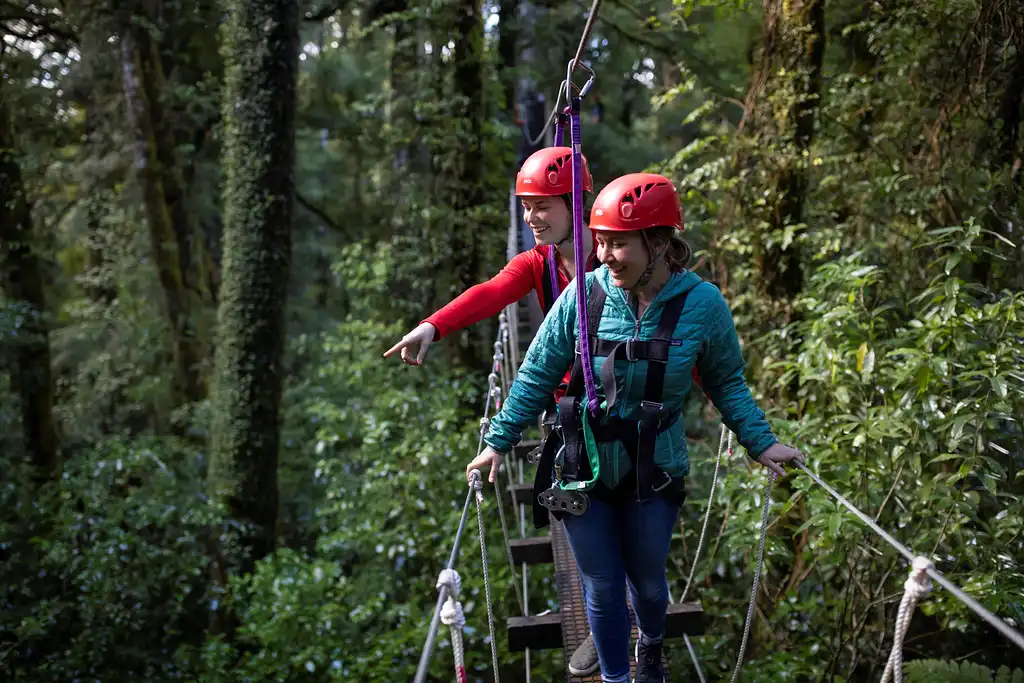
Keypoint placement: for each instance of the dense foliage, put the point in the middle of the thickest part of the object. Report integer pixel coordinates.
(851, 177)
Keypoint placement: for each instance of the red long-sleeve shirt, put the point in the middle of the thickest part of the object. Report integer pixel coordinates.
(523, 273)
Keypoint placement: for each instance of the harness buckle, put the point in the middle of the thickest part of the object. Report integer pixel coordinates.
(664, 484)
(631, 351)
(649, 410)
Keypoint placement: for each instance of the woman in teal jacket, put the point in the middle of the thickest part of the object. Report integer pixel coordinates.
(624, 490)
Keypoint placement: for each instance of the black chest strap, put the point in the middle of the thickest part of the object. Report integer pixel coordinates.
(653, 419)
(548, 280)
(549, 292)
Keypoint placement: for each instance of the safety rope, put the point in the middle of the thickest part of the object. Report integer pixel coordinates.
(453, 617)
(1011, 634)
(915, 587)
(428, 646)
(757, 576)
(722, 446)
(478, 485)
(533, 142)
(499, 355)
(445, 583)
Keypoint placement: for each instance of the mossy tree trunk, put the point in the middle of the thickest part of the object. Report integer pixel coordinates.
(790, 60)
(467, 190)
(185, 343)
(261, 52)
(21, 278)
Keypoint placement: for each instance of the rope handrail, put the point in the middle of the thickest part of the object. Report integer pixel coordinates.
(1010, 633)
(447, 608)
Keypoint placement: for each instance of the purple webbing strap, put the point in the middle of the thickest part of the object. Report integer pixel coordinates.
(559, 128)
(553, 273)
(581, 258)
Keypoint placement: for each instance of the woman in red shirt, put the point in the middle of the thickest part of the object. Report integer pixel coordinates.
(544, 184)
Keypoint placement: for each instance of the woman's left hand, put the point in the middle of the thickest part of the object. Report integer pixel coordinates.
(489, 458)
(777, 454)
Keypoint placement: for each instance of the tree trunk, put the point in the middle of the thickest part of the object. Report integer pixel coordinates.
(21, 277)
(259, 116)
(508, 40)
(185, 345)
(190, 255)
(793, 43)
(1005, 164)
(467, 190)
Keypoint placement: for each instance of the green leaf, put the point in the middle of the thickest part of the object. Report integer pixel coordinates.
(952, 260)
(958, 427)
(999, 386)
(834, 522)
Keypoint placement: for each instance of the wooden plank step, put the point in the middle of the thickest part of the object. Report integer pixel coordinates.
(535, 633)
(531, 550)
(522, 493)
(545, 632)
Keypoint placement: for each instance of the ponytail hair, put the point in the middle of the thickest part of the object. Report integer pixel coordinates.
(678, 253)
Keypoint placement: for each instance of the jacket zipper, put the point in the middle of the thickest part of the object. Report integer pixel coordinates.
(629, 371)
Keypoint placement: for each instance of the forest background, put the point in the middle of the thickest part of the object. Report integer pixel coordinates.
(212, 215)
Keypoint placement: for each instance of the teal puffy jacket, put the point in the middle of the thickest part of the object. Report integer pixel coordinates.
(708, 338)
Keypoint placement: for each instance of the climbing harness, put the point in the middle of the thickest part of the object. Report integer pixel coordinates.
(570, 452)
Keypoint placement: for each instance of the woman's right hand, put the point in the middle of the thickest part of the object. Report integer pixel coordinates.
(423, 336)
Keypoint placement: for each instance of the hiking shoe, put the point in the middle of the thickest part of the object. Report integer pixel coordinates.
(584, 661)
(649, 668)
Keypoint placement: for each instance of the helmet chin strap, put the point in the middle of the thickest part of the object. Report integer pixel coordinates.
(645, 277)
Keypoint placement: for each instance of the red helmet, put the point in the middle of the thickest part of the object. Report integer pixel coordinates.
(637, 201)
(548, 173)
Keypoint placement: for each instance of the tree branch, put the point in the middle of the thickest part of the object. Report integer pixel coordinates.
(318, 212)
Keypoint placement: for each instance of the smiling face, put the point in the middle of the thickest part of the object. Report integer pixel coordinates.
(548, 218)
(624, 253)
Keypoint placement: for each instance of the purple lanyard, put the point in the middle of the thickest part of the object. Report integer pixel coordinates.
(581, 260)
(553, 272)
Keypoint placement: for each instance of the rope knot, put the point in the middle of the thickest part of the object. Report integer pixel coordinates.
(484, 424)
(451, 613)
(450, 579)
(476, 482)
(919, 584)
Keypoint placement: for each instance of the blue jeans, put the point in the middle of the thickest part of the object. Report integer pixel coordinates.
(614, 542)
